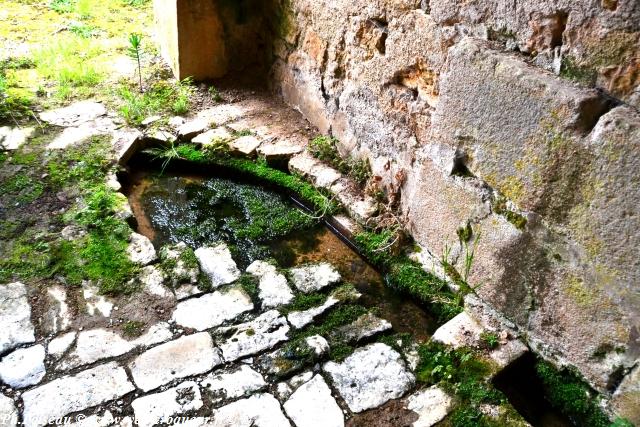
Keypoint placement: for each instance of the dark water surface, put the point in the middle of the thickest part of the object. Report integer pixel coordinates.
(200, 211)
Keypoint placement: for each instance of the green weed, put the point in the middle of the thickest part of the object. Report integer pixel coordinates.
(160, 97)
(325, 148)
(340, 316)
(135, 51)
(249, 284)
(215, 93)
(135, 3)
(132, 328)
(81, 29)
(61, 6)
(490, 339)
(67, 61)
(259, 169)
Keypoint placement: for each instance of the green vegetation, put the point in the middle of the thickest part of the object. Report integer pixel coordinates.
(135, 51)
(178, 268)
(325, 148)
(500, 208)
(160, 97)
(260, 170)
(136, 3)
(408, 276)
(99, 254)
(490, 339)
(132, 328)
(215, 93)
(304, 302)
(67, 63)
(463, 373)
(465, 233)
(14, 102)
(569, 69)
(249, 284)
(61, 6)
(340, 316)
(572, 396)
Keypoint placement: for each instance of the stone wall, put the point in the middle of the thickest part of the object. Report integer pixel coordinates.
(206, 39)
(470, 110)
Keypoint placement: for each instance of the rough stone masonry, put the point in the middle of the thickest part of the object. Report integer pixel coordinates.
(519, 119)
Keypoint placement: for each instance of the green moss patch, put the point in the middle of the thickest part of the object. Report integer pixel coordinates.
(325, 148)
(571, 396)
(408, 276)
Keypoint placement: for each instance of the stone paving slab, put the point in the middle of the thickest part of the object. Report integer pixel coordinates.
(217, 264)
(60, 344)
(75, 393)
(157, 408)
(274, 290)
(363, 327)
(370, 377)
(181, 358)
(311, 278)
(287, 359)
(313, 406)
(75, 114)
(212, 136)
(300, 319)
(8, 412)
(141, 250)
(432, 405)
(246, 145)
(15, 317)
(13, 138)
(98, 344)
(23, 367)
(285, 389)
(261, 410)
(253, 337)
(213, 309)
(232, 383)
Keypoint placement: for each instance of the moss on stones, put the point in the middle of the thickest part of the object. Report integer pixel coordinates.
(572, 396)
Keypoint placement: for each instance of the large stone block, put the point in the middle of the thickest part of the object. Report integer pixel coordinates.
(179, 24)
(516, 126)
(438, 204)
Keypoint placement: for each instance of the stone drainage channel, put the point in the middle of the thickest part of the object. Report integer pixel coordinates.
(373, 381)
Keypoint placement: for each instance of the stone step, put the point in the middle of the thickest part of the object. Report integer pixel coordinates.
(15, 317)
(216, 262)
(274, 290)
(223, 385)
(465, 331)
(312, 278)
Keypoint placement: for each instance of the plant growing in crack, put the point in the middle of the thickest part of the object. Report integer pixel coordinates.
(135, 51)
(469, 255)
(166, 154)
